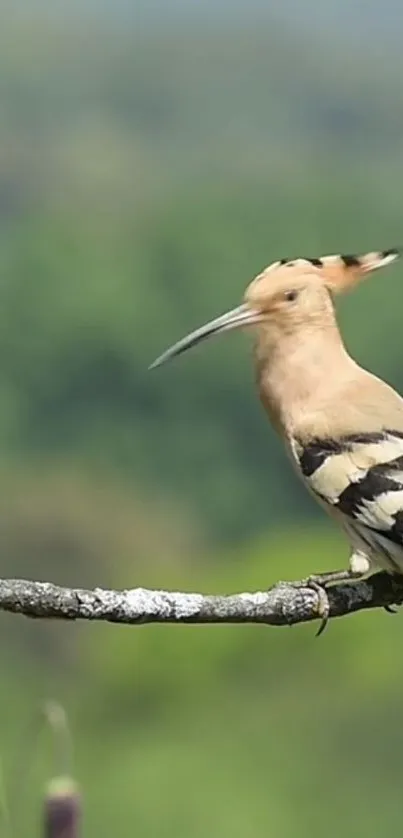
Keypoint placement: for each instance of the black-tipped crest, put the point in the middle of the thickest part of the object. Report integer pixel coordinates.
(350, 261)
(341, 271)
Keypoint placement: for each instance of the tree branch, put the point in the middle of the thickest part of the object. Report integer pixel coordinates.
(284, 604)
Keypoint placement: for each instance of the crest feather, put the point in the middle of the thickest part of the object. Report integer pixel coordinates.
(342, 272)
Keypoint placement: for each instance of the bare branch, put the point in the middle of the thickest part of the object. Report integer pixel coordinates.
(284, 604)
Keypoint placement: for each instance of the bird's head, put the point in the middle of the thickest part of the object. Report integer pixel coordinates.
(287, 295)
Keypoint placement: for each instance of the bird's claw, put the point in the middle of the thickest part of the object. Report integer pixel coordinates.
(390, 609)
(318, 584)
(323, 605)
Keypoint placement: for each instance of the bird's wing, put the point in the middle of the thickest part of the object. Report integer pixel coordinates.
(359, 475)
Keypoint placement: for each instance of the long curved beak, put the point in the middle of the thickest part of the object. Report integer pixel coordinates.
(235, 319)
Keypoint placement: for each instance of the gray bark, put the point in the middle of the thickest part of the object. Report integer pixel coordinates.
(286, 603)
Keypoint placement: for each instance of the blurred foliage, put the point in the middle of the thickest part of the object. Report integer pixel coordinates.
(144, 179)
(182, 730)
(142, 184)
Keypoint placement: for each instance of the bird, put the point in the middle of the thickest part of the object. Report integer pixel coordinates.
(341, 425)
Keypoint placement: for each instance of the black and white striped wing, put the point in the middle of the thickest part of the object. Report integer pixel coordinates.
(361, 476)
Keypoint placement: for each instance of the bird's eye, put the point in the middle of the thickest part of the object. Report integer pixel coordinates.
(291, 296)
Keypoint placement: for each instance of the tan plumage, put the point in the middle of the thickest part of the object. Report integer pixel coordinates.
(342, 426)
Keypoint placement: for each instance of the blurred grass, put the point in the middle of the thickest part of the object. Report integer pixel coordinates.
(223, 729)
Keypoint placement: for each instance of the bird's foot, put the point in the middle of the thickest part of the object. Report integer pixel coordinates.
(323, 605)
(319, 582)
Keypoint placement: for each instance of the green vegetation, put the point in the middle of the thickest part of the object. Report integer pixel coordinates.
(143, 182)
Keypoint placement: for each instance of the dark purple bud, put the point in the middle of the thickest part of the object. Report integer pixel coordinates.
(62, 809)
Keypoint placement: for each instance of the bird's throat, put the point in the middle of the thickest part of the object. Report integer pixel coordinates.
(298, 373)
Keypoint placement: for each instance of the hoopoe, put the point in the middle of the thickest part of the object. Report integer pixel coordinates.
(341, 425)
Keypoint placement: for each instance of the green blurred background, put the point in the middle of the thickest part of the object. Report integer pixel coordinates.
(154, 156)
